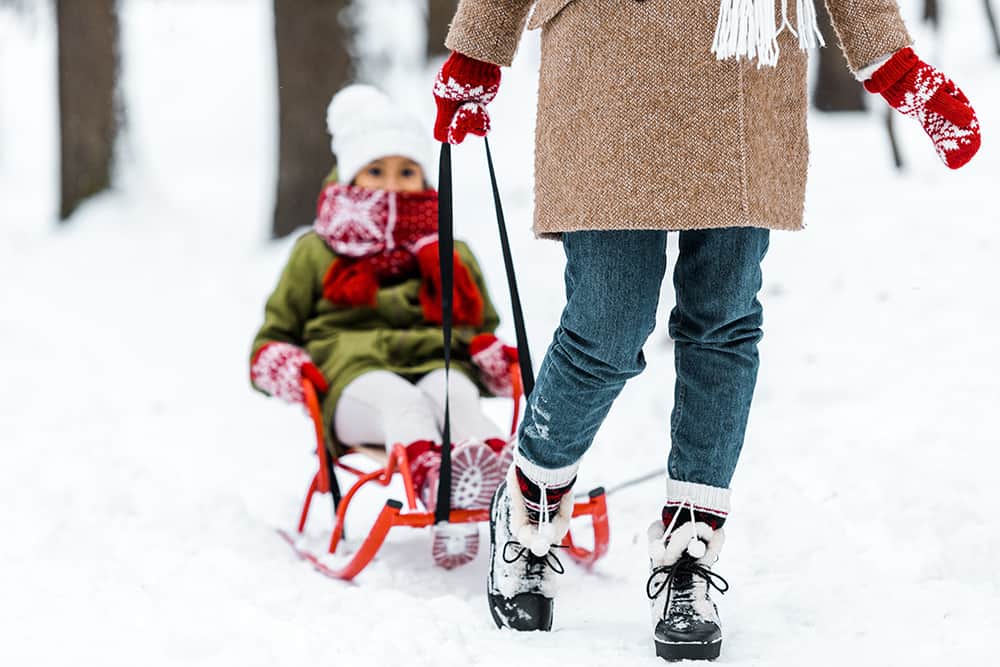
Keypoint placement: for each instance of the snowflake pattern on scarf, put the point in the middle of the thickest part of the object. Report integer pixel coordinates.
(385, 229)
(355, 222)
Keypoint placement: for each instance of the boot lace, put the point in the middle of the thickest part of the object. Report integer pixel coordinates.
(535, 566)
(680, 578)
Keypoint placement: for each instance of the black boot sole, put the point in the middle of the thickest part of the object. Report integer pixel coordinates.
(525, 612)
(692, 651)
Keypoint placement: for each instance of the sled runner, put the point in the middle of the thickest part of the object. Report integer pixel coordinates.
(396, 513)
(409, 513)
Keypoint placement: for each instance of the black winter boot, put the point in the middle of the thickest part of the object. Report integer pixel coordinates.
(524, 533)
(686, 620)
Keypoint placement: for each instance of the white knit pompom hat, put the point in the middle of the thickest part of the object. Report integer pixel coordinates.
(366, 125)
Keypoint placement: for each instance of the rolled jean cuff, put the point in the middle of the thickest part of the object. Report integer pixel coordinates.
(712, 499)
(550, 477)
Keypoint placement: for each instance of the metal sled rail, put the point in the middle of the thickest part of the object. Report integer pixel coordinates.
(393, 514)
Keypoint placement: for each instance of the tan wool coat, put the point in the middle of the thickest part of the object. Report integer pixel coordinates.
(641, 127)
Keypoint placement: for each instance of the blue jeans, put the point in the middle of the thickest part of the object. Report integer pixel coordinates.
(612, 289)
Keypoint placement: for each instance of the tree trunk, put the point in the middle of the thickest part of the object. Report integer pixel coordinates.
(313, 63)
(890, 127)
(836, 88)
(88, 120)
(991, 21)
(932, 13)
(439, 15)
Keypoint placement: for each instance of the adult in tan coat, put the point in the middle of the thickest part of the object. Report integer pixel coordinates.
(662, 115)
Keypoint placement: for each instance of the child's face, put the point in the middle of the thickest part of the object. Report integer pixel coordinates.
(394, 174)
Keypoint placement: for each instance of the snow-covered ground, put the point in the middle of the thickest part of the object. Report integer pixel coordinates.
(141, 480)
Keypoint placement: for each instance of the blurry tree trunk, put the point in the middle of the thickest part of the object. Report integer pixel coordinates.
(313, 63)
(88, 123)
(439, 15)
(836, 88)
(890, 126)
(991, 19)
(931, 13)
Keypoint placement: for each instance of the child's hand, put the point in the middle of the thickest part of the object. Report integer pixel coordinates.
(278, 369)
(494, 361)
(463, 88)
(916, 89)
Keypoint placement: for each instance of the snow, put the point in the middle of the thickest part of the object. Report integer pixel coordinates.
(142, 479)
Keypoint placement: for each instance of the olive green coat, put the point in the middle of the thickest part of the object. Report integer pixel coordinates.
(346, 342)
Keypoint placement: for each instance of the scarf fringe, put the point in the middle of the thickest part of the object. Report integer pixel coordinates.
(809, 34)
(747, 28)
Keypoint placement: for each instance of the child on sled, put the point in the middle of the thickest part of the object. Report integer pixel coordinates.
(357, 311)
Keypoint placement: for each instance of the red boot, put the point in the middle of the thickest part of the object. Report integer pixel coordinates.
(504, 449)
(424, 456)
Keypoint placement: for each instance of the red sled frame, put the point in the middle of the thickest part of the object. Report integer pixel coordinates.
(393, 513)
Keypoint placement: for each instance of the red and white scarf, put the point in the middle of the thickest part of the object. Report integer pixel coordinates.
(383, 237)
(386, 228)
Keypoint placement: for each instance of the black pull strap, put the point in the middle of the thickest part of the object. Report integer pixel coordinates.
(446, 248)
(446, 245)
(523, 354)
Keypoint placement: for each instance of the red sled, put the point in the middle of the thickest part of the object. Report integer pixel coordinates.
(395, 513)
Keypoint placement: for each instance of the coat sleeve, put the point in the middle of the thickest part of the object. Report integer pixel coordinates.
(292, 302)
(489, 30)
(869, 30)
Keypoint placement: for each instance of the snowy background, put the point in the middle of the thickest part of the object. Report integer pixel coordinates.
(141, 479)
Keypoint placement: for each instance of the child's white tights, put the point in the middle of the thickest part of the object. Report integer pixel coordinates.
(381, 407)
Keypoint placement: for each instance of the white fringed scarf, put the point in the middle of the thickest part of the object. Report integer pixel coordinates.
(747, 28)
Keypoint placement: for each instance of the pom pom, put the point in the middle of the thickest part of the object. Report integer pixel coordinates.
(697, 548)
(353, 103)
(538, 539)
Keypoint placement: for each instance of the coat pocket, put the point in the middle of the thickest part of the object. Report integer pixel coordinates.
(545, 11)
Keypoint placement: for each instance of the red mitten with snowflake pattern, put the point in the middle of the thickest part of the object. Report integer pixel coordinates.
(278, 369)
(494, 361)
(916, 89)
(463, 88)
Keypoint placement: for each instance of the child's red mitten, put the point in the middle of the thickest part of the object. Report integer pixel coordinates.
(494, 361)
(463, 88)
(468, 301)
(918, 90)
(278, 369)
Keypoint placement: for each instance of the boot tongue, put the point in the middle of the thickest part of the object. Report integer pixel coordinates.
(682, 571)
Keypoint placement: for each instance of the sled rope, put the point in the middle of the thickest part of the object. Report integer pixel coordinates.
(629, 483)
(520, 332)
(446, 243)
